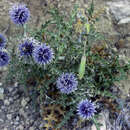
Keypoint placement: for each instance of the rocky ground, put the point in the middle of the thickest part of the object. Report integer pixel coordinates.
(16, 111)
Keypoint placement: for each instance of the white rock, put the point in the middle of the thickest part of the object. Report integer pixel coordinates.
(17, 118)
(1, 93)
(120, 11)
(16, 84)
(31, 128)
(1, 120)
(6, 102)
(20, 127)
(9, 116)
(23, 102)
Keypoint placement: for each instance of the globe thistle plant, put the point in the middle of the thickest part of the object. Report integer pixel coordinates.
(4, 58)
(19, 14)
(2, 41)
(86, 109)
(67, 83)
(26, 48)
(43, 54)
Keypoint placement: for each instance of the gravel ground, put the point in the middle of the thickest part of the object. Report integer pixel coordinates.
(16, 111)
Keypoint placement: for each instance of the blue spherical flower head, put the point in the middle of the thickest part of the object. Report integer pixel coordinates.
(67, 83)
(2, 41)
(26, 48)
(86, 109)
(19, 14)
(4, 58)
(43, 54)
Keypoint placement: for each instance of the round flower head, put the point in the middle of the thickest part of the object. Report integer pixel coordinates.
(19, 14)
(26, 48)
(67, 83)
(2, 41)
(86, 109)
(4, 58)
(43, 54)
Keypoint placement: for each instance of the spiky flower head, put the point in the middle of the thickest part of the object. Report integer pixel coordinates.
(86, 109)
(43, 54)
(4, 58)
(19, 14)
(2, 41)
(67, 83)
(26, 48)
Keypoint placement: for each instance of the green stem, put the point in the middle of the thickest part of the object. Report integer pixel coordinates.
(25, 30)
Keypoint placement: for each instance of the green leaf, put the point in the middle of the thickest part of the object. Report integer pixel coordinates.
(82, 67)
(87, 27)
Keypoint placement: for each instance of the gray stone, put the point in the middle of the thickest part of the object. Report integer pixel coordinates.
(11, 89)
(12, 122)
(20, 127)
(6, 102)
(5, 128)
(9, 116)
(16, 123)
(121, 11)
(1, 120)
(23, 102)
(17, 118)
(2, 115)
(22, 112)
(10, 99)
(1, 93)
(31, 128)
(104, 120)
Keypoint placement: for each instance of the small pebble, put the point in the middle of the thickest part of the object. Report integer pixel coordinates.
(6, 102)
(9, 116)
(23, 102)
(31, 128)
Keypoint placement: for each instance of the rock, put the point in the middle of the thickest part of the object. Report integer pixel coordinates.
(6, 102)
(31, 128)
(124, 86)
(5, 128)
(2, 115)
(20, 127)
(9, 116)
(121, 11)
(1, 120)
(10, 100)
(17, 118)
(23, 102)
(104, 120)
(16, 123)
(11, 89)
(16, 84)
(1, 93)
(22, 112)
